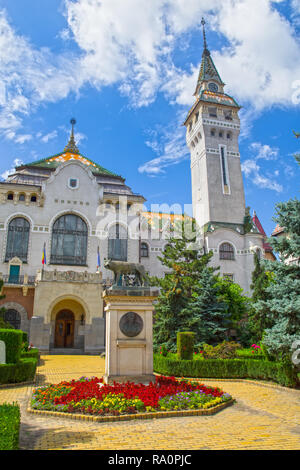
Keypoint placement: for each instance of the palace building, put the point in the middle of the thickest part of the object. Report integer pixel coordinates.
(62, 216)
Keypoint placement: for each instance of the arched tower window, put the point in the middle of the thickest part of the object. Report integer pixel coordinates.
(17, 239)
(226, 251)
(144, 250)
(117, 243)
(69, 241)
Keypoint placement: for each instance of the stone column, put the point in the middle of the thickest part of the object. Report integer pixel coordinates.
(129, 340)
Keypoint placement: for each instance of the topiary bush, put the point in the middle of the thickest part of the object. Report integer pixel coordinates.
(13, 340)
(185, 345)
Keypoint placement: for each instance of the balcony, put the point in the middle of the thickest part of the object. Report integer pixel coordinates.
(24, 281)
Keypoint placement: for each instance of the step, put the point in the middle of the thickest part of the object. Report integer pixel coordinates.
(67, 351)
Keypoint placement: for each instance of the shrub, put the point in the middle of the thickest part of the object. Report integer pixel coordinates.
(13, 344)
(225, 350)
(33, 352)
(9, 426)
(227, 368)
(163, 350)
(23, 371)
(185, 345)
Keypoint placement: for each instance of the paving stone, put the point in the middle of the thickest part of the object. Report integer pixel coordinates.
(264, 418)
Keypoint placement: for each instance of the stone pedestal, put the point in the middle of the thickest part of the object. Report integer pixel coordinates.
(39, 334)
(129, 326)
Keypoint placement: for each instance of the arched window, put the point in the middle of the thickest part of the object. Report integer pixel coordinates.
(117, 243)
(144, 250)
(69, 241)
(13, 318)
(226, 251)
(33, 198)
(10, 196)
(22, 197)
(17, 239)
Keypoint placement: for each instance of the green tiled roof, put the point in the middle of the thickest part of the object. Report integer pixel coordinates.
(208, 70)
(54, 161)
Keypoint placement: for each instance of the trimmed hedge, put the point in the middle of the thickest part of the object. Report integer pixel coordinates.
(13, 340)
(227, 368)
(34, 352)
(23, 371)
(247, 354)
(185, 344)
(10, 417)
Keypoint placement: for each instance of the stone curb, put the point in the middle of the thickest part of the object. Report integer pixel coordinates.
(159, 414)
(260, 383)
(20, 384)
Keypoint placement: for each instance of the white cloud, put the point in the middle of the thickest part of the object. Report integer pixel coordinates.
(253, 171)
(20, 139)
(28, 77)
(169, 144)
(51, 135)
(264, 152)
(16, 162)
(131, 43)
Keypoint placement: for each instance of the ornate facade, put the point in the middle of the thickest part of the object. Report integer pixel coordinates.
(62, 216)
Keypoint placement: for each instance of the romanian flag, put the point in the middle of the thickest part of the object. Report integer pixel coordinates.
(98, 258)
(44, 261)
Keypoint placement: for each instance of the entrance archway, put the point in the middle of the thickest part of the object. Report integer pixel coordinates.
(64, 329)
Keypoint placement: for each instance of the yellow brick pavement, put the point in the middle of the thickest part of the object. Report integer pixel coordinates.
(264, 418)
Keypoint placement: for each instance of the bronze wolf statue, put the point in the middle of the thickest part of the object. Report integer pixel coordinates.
(124, 269)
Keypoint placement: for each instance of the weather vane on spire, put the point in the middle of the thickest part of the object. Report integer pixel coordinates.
(71, 147)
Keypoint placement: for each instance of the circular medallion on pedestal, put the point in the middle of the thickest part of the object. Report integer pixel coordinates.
(131, 324)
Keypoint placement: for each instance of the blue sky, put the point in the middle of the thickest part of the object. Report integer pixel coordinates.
(127, 70)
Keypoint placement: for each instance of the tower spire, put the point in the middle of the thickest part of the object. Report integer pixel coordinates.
(203, 22)
(71, 146)
(208, 70)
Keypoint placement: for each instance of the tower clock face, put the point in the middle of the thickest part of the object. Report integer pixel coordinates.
(213, 87)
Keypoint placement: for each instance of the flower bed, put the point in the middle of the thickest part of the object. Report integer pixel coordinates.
(91, 396)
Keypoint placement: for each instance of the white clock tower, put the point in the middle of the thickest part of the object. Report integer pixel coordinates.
(213, 128)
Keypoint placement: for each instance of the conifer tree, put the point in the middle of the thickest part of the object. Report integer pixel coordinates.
(205, 314)
(259, 319)
(282, 306)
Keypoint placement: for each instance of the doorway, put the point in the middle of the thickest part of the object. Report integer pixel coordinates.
(64, 329)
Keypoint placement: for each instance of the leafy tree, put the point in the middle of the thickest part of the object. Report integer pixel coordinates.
(232, 294)
(187, 294)
(238, 307)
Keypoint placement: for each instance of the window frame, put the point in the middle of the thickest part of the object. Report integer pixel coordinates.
(13, 228)
(144, 249)
(60, 246)
(227, 255)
